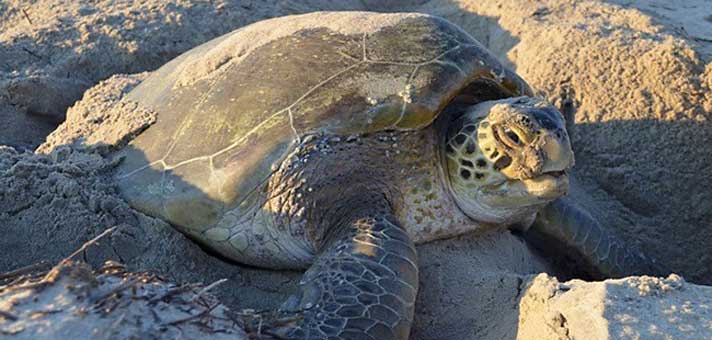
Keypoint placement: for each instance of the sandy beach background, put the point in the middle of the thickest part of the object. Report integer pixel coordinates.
(637, 74)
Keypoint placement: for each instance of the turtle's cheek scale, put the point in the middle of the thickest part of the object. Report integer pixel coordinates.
(473, 176)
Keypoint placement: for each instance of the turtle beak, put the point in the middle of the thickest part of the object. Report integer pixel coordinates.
(531, 192)
(535, 153)
(547, 187)
(557, 153)
(552, 181)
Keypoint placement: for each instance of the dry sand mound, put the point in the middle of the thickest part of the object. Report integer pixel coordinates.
(73, 302)
(631, 308)
(643, 109)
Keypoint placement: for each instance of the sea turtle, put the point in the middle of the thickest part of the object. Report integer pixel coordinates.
(337, 141)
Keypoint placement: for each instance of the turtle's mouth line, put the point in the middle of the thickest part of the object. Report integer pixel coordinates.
(557, 175)
(519, 193)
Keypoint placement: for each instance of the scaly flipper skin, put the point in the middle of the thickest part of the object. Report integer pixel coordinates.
(362, 286)
(605, 255)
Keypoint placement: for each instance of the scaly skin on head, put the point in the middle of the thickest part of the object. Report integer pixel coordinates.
(507, 158)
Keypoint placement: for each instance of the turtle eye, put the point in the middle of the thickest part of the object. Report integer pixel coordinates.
(512, 136)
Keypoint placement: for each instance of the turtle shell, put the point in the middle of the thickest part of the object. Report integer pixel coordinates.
(230, 110)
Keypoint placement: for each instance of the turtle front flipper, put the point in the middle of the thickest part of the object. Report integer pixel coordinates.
(563, 224)
(362, 286)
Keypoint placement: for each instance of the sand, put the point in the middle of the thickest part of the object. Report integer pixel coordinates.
(74, 302)
(639, 86)
(632, 308)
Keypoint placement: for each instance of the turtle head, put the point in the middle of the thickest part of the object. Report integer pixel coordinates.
(507, 158)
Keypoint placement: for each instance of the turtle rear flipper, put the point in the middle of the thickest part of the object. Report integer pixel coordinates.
(362, 286)
(563, 224)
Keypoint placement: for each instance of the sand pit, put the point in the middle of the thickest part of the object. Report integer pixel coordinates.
(639, 86)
